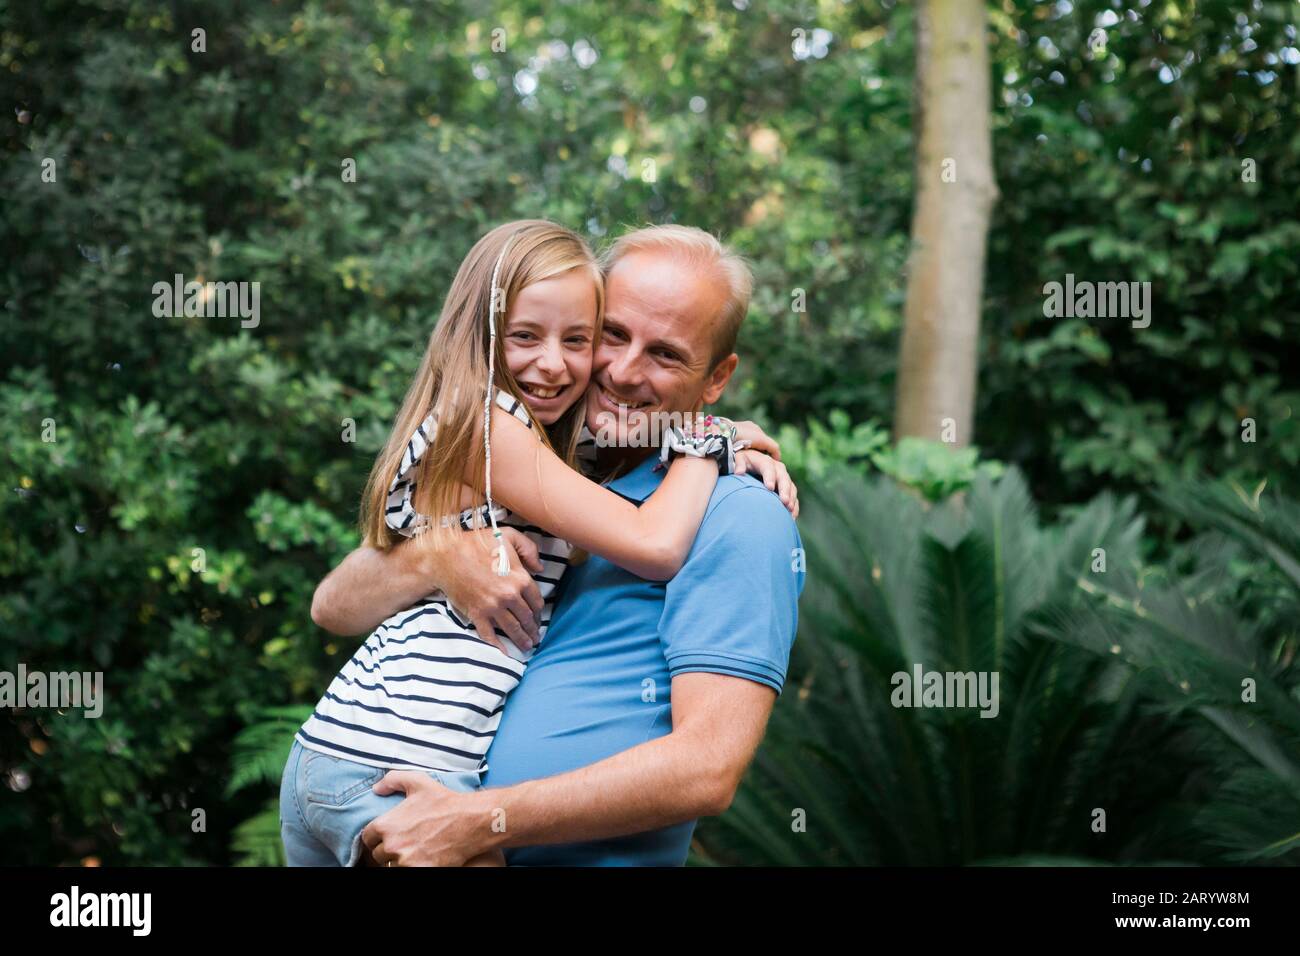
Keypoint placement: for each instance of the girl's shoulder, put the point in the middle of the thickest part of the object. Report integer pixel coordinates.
(402, 512)
(514, 406)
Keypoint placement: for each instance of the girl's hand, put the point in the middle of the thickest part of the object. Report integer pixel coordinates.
(758, 439)
(772, 473)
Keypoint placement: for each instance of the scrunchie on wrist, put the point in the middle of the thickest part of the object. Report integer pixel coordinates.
(714, 439)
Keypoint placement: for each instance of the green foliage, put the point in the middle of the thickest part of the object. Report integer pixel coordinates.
(257, 840)
(261, 750)
(819, 448)
(1221, 640)
(932, 469)
(1098, 671)
(950, 587)
(1170, 158)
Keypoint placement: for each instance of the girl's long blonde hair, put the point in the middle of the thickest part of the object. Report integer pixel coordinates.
(452, 378)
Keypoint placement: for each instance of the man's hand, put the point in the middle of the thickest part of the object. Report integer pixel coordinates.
(718, 723)
(433, 826)
(371, 585)
(510, 603)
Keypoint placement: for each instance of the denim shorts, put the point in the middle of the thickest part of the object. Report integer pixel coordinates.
(325, 803)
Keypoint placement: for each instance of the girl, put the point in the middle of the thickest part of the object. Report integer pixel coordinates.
(424, 692)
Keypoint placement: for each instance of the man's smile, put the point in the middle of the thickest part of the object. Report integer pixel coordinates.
(610, 402)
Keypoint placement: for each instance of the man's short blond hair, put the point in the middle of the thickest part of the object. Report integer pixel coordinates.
(703, 251)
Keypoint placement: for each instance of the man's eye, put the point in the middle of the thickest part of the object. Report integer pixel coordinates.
(613, 333)
(670, 356)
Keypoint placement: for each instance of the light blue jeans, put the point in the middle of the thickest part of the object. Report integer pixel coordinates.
(325, 803)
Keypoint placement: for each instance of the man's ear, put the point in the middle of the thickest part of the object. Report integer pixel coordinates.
(719, 378)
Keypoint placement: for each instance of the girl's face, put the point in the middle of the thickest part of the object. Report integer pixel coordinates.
(549, 338)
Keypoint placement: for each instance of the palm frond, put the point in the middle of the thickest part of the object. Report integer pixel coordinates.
(958, 586)
(257, 840)
(262, 748)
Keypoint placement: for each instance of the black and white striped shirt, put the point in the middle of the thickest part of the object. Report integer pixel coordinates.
(424, 692)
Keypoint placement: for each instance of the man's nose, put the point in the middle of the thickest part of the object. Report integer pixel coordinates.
(624, 370)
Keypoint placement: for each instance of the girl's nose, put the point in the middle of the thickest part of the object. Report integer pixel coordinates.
(551, 361)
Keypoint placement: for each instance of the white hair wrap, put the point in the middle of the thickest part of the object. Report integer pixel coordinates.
(502, 558)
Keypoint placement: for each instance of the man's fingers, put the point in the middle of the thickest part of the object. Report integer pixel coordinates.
(505, 621)
(399, 781)
(525, 549)
(533, 598)
(508, 621)
(373, 841)
(520, 609)
(484, 628)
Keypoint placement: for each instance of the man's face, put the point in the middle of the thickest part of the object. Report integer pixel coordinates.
(655, 353)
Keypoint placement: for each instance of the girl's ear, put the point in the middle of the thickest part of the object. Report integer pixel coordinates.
(719, 378)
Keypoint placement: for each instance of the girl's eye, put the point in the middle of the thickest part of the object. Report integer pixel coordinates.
(578, 340)
(521, 335)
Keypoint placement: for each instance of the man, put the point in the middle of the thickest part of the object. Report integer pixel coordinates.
(645, 704)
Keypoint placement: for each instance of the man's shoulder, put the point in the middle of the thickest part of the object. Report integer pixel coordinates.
(744, 502)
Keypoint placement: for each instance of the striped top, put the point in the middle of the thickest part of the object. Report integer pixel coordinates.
(424, 692)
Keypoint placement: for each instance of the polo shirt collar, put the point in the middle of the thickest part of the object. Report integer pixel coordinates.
(639, 483)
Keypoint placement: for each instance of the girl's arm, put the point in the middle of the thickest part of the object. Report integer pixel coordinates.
(651, 541)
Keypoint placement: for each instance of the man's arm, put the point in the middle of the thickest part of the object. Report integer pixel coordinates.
(713, 627)
(718, 723)
(371, 585)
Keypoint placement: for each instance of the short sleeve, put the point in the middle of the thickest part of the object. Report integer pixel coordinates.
(513, 406)
(733, 607)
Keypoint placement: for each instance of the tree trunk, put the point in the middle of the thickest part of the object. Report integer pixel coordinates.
(955, 195)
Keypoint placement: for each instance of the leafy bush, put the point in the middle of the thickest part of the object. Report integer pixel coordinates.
(933, 469)
(261, 751)
(1098, 671)
(1219, 640)
(1161, 159)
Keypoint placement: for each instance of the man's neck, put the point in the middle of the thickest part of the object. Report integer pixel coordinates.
(615, 460)
(619, 461)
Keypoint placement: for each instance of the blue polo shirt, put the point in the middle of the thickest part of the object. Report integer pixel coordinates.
(600, 682)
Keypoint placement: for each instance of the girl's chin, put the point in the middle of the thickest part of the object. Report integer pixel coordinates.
(547, 418)
(550, 411)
